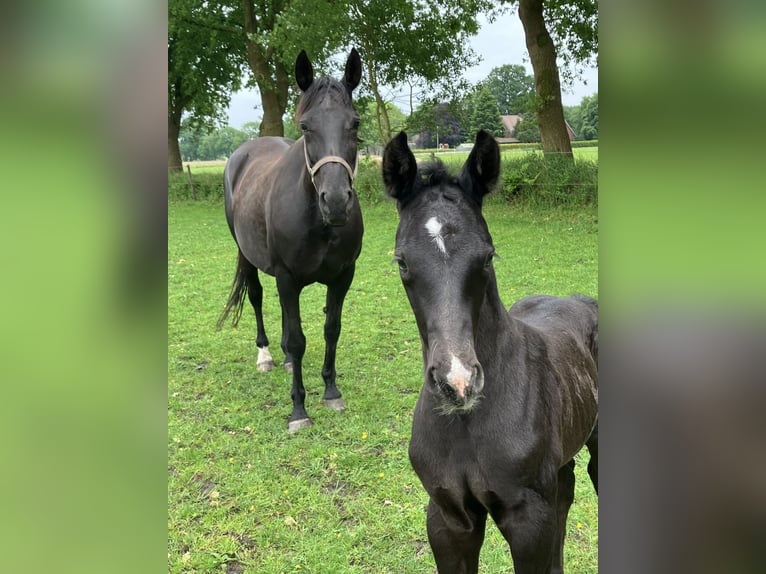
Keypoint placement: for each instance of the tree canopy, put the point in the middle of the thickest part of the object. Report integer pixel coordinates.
(483, 112)
(512, 87)
(412, 42)
(203, 68)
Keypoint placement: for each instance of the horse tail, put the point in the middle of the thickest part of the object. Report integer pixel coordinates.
(236, 300)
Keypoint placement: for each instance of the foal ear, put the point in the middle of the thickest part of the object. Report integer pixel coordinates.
(399, 168)
(353, 70)
(482, 167)
(304, 73)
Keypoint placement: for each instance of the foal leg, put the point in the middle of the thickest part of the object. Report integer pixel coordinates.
(455, 541)
(255, 294)
(563, 502)
(592, 444)
(336, 294)
(294, 343)
(528, 524)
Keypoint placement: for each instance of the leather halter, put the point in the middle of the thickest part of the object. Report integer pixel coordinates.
(329, 159)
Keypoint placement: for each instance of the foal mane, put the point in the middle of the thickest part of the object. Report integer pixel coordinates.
(317, 89)
(437, 178)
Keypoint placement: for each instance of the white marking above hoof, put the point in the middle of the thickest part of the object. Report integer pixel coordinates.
(289, 367)
(295, 426)
(265, 362)
(337, 405)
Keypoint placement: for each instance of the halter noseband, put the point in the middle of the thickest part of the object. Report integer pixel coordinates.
(329, 159)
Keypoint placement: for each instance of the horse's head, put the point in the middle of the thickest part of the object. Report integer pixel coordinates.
(444, 251)
(329, 124)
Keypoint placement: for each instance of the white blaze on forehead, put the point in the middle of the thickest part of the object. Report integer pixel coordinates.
(434, 228)
(459, 376)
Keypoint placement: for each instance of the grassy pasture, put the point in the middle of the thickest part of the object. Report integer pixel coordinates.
(243, 496)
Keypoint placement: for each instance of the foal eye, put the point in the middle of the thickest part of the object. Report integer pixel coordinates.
(304, 127)
(490, 257)
(402, 265)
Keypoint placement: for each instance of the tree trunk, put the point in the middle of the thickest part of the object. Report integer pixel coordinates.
(542, 53)
(174, 150)
(273, 90)
(274, 95)
(381, 113)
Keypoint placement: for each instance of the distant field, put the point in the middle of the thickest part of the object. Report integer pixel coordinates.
(449, 157)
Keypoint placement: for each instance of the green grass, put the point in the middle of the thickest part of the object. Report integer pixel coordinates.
(243, 495)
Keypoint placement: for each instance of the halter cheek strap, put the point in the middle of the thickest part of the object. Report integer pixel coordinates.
(329, 159)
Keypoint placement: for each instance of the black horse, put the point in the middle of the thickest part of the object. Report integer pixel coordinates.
(294, 214)
(509, 396)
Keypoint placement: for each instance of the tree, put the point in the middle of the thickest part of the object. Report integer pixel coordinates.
(203, 69)
(589, 117)
(512, 88)
(567, 29)
(274, 32)
(527, 130)
(435, 124)
(251, 129)
(484, 113)
(574, 118)
(409, 41)
(368, 129)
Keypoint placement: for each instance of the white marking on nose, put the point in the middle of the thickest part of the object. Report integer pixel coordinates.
(434, 228)
(459, 376)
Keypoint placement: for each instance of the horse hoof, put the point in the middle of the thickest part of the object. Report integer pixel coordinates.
(295, 426)
(266, 366)
(289, 367)
(335, 404)
(265, 362)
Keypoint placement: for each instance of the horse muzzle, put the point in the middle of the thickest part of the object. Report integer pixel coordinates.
(459, 383)
(335, 207)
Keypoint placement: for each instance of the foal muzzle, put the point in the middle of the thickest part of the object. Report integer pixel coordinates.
(458, 382)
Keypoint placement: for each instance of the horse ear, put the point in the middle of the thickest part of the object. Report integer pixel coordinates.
(304, 73)
(482, 167)
(353, 70)
(399, 168)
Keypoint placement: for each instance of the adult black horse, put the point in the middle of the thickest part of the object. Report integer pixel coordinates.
(509, 397)
(293, 212)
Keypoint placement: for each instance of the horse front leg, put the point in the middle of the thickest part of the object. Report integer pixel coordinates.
(336, 294)
(566, 487)
(455, 539)
(294, 343)
(528, 522)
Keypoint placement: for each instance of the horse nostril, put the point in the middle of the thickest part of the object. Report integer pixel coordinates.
(349, 195)
(323, 197)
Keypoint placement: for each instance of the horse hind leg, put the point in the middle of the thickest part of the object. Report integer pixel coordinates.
(255, 294)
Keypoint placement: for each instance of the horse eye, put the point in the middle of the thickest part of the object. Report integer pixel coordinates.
(490, 257)
(304, 127)
(355, 124)
(402, 265)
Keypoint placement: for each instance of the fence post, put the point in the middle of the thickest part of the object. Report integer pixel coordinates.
(191, 182)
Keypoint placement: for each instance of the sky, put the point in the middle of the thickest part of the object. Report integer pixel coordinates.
(498, 43)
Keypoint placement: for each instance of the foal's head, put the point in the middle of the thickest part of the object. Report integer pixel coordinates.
(329, 124)
(445, 252)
